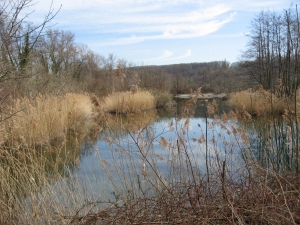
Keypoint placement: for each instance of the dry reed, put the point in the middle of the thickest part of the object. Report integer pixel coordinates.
(129, 102)
(30, 195)
(45, 118)
(260, 102)
(40, 139)
(237, 192)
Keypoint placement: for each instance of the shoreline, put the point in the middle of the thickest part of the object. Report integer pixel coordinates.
(202, 96)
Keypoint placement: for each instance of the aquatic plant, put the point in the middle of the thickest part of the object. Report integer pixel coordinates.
(40, 142)
(260, 102)
(129, 102)
(45, 118)
(179, 175)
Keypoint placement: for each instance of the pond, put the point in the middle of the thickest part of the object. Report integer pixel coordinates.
(140, 150)
(151, 141)
(188, 147)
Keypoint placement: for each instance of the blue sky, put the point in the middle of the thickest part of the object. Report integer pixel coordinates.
(158, 32)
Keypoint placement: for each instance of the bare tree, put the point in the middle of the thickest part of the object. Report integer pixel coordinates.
(57, 51)
(17, 36)
(272, 57)
(17, 39)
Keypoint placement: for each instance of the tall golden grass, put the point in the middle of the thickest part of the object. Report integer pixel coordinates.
(260, 102)
(201, 181)
(40, 139)
(162, 98)
(45, 118)
(31, 196)
(129, 102)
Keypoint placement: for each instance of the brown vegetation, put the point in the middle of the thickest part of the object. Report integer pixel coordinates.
(128, 102)
(260, 102)
(231, 187)
(47, 110)
(40, 120)
(266, 199)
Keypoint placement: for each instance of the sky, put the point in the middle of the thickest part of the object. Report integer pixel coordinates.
(159, 32)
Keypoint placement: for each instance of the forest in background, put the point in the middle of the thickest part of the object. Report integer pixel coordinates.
(37, 58)
(216, 77)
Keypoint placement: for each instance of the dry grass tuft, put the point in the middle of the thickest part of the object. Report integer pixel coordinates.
(260, 102)
(40, 139)
(30, 195)
(128, 102)
(47, 117)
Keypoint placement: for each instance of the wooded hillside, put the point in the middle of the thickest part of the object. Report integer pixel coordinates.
(217, 76)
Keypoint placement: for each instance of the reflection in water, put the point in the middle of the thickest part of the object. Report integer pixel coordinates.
(153, 146)
(273, 142)
(130, 144)
(42, 162)
(127, 147)
(120, 124)
(201, 107)
(233, 141)
(30, 177)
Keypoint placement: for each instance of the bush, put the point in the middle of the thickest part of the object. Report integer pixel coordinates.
(162, 98)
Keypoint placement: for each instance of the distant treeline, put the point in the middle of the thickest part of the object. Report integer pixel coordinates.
(35, 58)
(217, 76)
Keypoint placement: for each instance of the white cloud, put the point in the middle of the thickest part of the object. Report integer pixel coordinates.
(115, 25)
(232, 35)
(167, 55)
(187, 54)
(167, 31)
(126, 22)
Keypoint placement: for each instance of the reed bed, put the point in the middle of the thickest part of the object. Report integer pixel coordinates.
(129, 102)
(162, 98)
(45, 118)
(260, 102)
(41, 139)
(31, 194)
